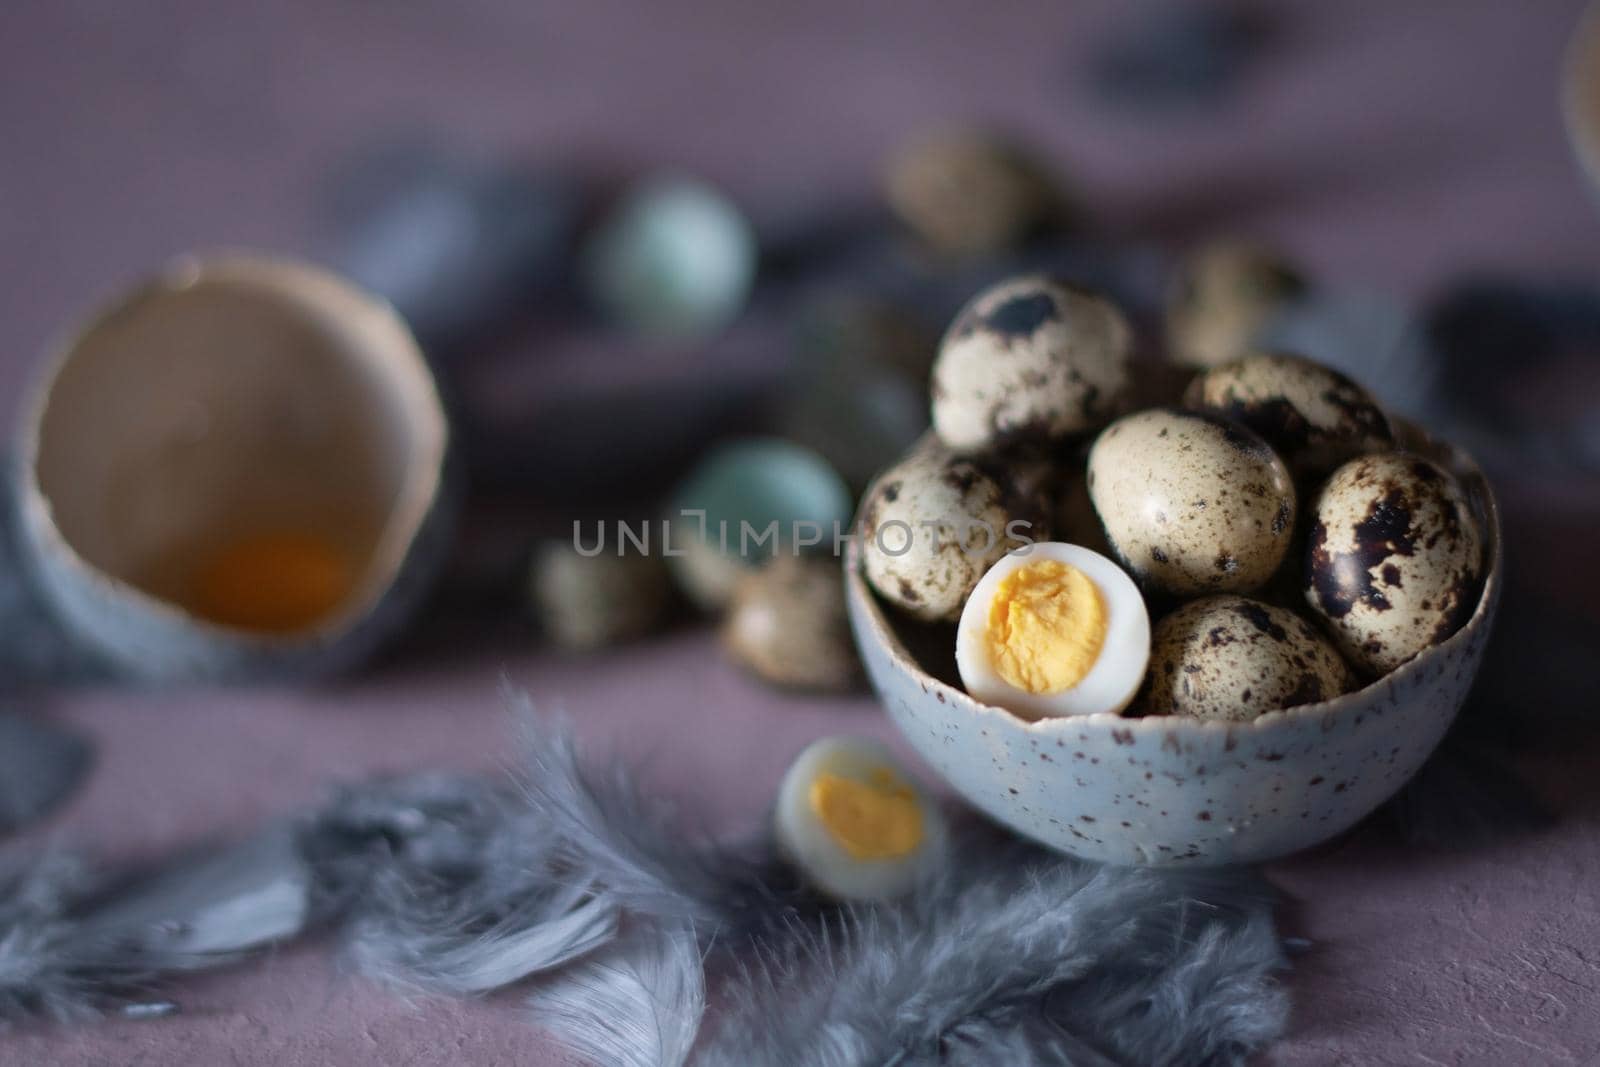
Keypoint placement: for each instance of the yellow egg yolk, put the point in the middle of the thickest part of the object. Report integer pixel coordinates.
(274, 583)
(1046, 625)
(876, 819)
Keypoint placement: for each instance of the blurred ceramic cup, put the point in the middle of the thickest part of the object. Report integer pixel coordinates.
(236, 470)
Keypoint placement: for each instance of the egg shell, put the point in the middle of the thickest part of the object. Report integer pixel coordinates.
(1191, 503)
(1395, 558)
(822, 860)
(786, 624)
(931, 525)
(1223, 296)
(1228, 657)
(232, 393)
(1180, 791)
(1029, 361)
(1314, 417)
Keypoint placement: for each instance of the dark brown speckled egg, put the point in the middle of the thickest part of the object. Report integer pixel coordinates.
(932, 524)
(1029, 361)
(1191, 503)
(1395, 558)
(1313, 416)
(1227, 657)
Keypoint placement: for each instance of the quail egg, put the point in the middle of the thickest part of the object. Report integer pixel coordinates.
(856, 825)
(1225, 294)
(1227, 657)
(1029, 361)
(786, 624)
(1313, 416)
(1054, 630)
(933, 524)
(966, 192)
(676, 259)
(745, 501)
(1191, 503)
(1395, 558)
(585, 601)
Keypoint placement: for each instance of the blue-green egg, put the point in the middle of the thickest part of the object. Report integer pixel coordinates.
(746, 502)
(676, 258)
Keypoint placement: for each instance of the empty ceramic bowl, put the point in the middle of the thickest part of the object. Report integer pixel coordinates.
(1168, 790)
(236, 470)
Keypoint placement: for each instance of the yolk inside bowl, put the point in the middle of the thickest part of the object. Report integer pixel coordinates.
(1047, 623)
(877, 819)
(273, 583)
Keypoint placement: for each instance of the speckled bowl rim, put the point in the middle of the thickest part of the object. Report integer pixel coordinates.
(403, 527)
(1416, 440)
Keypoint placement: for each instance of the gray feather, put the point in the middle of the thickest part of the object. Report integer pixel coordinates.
(649, 863)
(638, 1003)
(622, 920)
(1021, 957)
(451, 886)
(73, 945)
(40, 766)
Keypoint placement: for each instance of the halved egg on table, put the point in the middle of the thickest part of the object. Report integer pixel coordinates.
(855, 824)
(1054, 630)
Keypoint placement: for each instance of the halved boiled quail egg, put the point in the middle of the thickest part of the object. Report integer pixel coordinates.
(1054, 630)
(856, 825)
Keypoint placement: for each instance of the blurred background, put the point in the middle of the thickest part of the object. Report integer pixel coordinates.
(496, 168)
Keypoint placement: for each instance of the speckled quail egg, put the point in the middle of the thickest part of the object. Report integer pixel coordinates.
(1395, 558)
(1054, 630)
(856, 825)
(786, 624)
(585, 601)
(1313, 416)
(1227, 657)
(1029, 361)
(932, 524)
(1190, 502)
(1223, 296)
(966, 192)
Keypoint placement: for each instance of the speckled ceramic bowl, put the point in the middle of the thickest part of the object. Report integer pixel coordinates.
(1163, 790)
(231, 396)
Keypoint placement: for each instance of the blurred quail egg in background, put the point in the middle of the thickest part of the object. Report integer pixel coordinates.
(856, 825)
(1054, 630)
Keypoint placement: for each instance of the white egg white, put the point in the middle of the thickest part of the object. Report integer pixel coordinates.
(807, 843)
(1117, 672)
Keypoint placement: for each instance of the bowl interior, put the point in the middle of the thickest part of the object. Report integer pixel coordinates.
(241, 413)
(929, 648)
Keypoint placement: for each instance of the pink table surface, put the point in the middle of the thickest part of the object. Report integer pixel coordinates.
(1389, 144)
